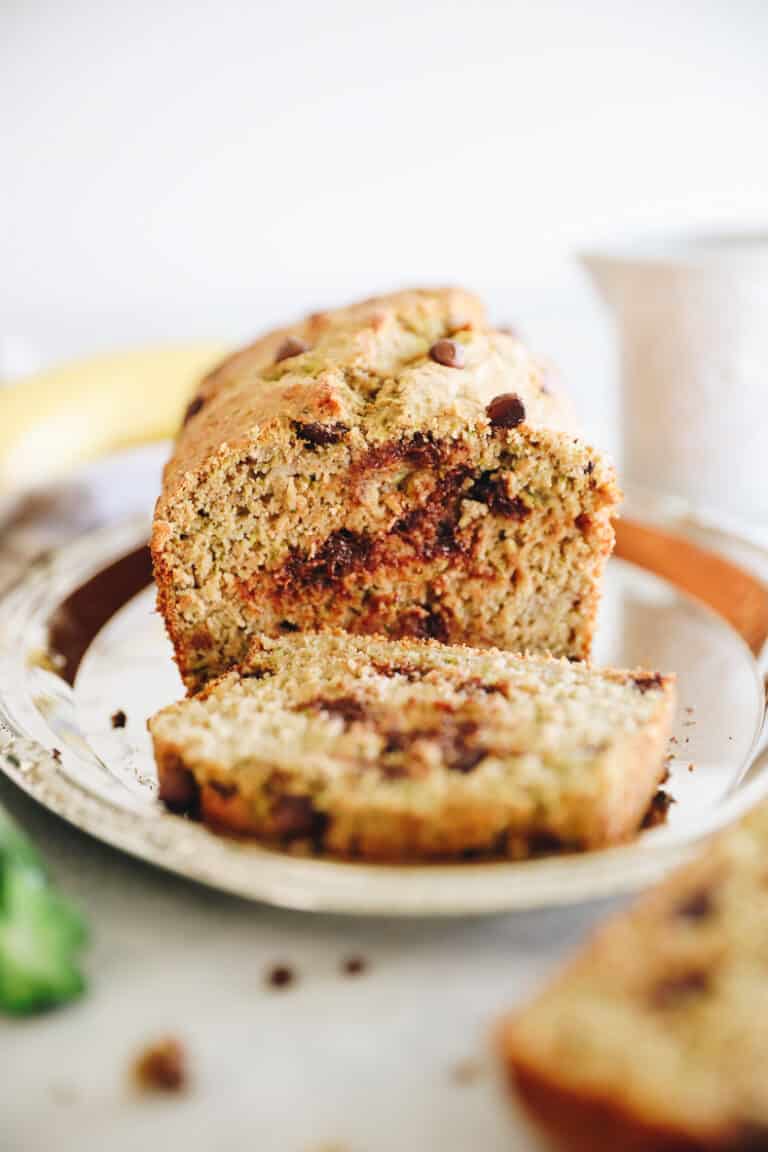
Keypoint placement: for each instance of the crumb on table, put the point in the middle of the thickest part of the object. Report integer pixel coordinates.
(466, 1071)
(161, 1067)
(119, 719)
(354, 965)
(281, 976)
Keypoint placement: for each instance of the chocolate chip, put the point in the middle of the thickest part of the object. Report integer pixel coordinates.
(410, 672)
(354, 965)
(320, 434)
(465, 759)
(178, 788)
(449, 353)
(751, 1138)
(281, 976)
(296, 816)
(490, 489)
(589, 468)
(545, 844)
(506, 410)
(658, 810)
(342, 552)
(292, 346)
(119, 719)
(583, 522)
(676, 990)
(351, 711)
(161, 1067)
(422, 451)
(226, 791)
(698, 905)
(288, 626)
(192, 409)
(648, 683)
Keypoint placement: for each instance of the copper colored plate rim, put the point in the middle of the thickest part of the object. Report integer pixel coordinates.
(731, 591)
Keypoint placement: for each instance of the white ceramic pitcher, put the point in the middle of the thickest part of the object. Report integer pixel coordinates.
(692, 314)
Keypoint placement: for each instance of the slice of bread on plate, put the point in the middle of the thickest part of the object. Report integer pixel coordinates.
(396, 467)
(655, 1039)
(412, 750)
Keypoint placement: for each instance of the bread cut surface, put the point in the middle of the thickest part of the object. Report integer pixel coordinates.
(408, 750)
(656, 1036)
(396, 467)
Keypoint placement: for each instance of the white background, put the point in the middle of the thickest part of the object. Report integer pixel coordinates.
(176, 171)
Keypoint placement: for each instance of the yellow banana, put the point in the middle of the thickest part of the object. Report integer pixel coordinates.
(91, 407)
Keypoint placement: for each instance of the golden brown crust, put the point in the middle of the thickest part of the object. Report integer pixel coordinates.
(581, 1124)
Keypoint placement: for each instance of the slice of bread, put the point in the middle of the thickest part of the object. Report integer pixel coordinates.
(396, 467)
(655, 1039)
(406, 750)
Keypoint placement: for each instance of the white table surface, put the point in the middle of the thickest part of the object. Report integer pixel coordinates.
(331, 1063)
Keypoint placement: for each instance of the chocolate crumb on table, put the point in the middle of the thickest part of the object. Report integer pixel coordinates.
(281, 976)
(162, 1067)
(119, 719)
(354, 965)
(56, 753)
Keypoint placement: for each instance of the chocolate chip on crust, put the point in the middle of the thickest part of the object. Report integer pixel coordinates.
(192, 409)
(320, 435)
(506, 410)
(292, 346)
(449, 353)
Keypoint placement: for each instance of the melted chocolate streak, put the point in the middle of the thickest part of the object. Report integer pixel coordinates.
(430, 529)
(76, 621)
(427, 532)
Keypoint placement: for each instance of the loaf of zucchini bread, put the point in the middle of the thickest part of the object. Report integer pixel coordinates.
(408, 750)
(395, 467)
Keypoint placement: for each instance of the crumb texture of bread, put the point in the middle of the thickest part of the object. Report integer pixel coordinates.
(395, 468)
(407, 750)
(655, 1039)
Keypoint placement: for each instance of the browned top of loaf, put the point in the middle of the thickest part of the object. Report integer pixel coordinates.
(367, 368)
